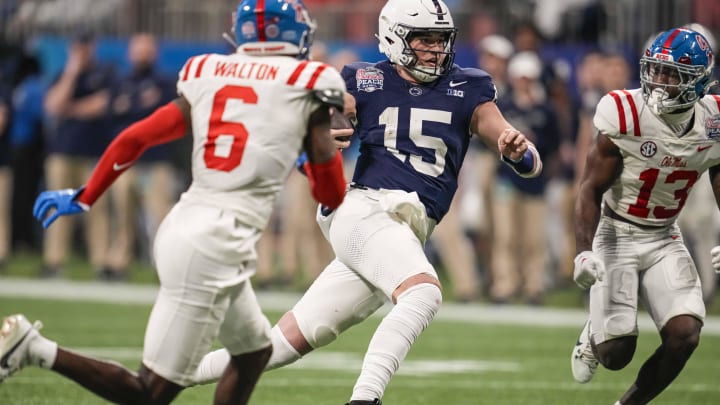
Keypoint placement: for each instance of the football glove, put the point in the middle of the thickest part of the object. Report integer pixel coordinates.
(63, 201)
(589, 268)
(715, 254)
(300, 163)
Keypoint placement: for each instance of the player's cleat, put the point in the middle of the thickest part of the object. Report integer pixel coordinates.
(15, 337)
(373, 402)
(583, 361)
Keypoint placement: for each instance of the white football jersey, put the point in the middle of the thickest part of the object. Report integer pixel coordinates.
(659, 166)
(249, 118)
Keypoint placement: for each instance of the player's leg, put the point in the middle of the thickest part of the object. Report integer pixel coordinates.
(609, 338)
(244, 333)
(375, 234)
(673, 295)
(337, 300)
(21, 345)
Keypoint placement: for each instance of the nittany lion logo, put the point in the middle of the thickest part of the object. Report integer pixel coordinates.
(648, 149)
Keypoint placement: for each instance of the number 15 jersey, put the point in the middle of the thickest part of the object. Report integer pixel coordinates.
(414, 137)
(660, 167)
(249, 118)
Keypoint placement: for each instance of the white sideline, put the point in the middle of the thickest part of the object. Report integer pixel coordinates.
(282, 301)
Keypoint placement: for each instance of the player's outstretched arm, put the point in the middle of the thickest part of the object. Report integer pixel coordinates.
(167, 123)
(513, 146)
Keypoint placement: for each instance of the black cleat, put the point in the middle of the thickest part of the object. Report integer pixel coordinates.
(373, 402)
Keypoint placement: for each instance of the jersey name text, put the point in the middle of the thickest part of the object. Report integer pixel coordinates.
(251, 70)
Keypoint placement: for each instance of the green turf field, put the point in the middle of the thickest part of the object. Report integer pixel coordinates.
(454, 362)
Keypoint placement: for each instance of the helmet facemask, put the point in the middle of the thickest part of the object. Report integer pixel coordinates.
(685, 85)
(676, 71)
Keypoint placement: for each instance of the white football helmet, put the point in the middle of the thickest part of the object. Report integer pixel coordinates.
(400, 20)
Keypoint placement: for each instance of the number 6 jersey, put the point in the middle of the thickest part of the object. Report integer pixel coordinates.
(660, 166)
(249, 118)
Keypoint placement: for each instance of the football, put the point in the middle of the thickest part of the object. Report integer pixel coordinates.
(338, 120)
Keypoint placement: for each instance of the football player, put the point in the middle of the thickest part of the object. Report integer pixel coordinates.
(653, 143)
(251, 114)
(415, 114)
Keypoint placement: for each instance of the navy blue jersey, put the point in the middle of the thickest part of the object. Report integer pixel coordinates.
(414, 137)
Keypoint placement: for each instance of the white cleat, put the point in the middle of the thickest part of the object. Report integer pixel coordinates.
(15, 337)
(583, 361)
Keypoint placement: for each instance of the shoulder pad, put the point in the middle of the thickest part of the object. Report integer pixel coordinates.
(192, 67)
(458, 72)
(617, 114)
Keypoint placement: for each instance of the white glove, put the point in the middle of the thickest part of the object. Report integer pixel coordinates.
(715, 253)
(589, 268)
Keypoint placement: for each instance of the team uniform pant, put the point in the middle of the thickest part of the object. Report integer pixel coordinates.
(649, 265)
(201, 298)
(375, 237)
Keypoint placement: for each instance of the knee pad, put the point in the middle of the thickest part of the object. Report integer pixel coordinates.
(424, 298)
(622, 324)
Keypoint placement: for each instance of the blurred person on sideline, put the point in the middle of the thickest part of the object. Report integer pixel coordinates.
(76, 105)
(653, 143)
(148, 186)
(250, 114)
(493, 53)
(415, 114)
(27, 139)
(5, 173)
(520, 204)
(555, 79)
(598, 73)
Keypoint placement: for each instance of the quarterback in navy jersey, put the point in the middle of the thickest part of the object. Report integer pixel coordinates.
(414, 115)
(414, 136)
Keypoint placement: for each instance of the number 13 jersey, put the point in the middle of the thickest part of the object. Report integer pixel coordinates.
(660, 166)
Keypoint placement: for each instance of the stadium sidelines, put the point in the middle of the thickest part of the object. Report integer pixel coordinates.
(282, 301)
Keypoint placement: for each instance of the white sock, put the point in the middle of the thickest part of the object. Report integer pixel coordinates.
(213, 364)
(211, 367)
(391, 342)
(42, 352)
(283, 353)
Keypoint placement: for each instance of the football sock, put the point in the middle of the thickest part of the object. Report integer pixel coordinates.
(283, 352)
(42, 352)
(391, 342)
(213, 364)
(211, 367)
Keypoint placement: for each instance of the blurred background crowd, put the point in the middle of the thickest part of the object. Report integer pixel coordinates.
(74, 73)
